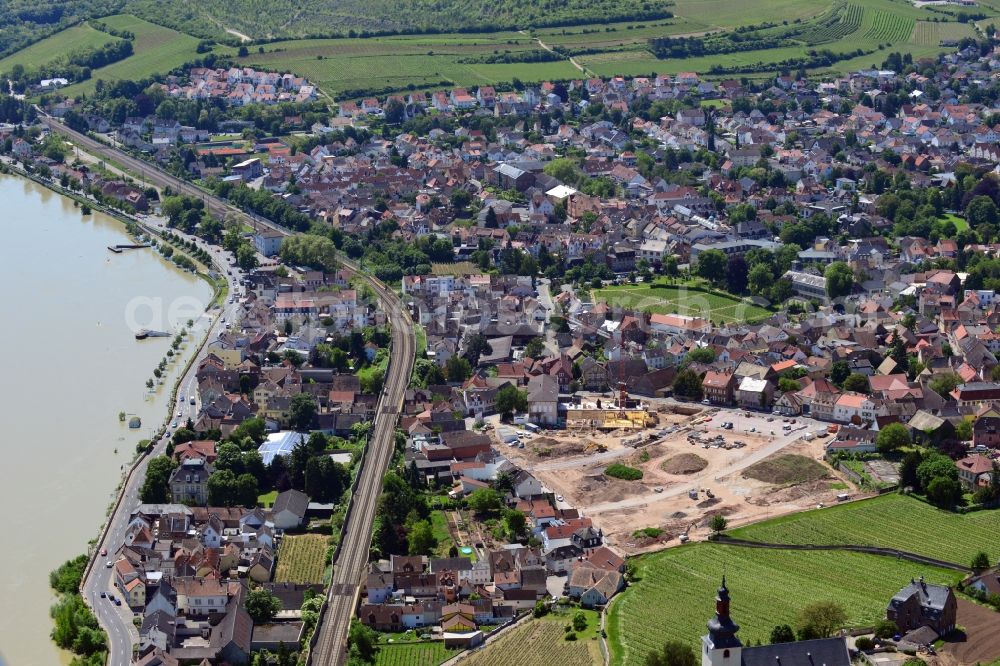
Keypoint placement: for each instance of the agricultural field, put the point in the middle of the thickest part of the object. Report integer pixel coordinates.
(674, 593)
(666, 299)
(157, 50)
(928, 33)
(338, 65)
(427, 653)
(302, 559)
(77, 38)
(541, 642)
(889, 521)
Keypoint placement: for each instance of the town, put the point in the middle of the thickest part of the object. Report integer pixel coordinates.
(649, 312)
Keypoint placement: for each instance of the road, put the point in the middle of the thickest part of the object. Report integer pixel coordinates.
(117, 620)
(348, 568)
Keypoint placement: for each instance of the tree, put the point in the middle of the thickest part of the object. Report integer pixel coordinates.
(892, 437)
(821, 619)
(944, 492)
(394, 111)
(886, 629)
(701, 355)
(421, 538)
(579, 621)
(457, 369)
(687, 384)
(736, 274)
(839, 372)
(981, 210)
(712, 265)
(718, 523)
(933, 466)
(484, 501)
(674, 653)
(981, 561)
(511, 400)
(362, 642)
(839, 280)
(516, 522)
(782, 634)
(154, 488)
(760, 279)
(262, 605)
(857, 383)
(302, 412)
(476, 346)
(535, 348)
(945, 383)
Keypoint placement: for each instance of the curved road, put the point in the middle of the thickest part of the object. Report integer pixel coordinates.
(353, 555)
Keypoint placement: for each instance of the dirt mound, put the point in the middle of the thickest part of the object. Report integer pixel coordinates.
(787, 468)
(677, 515)
(685, 463)
(721, 511)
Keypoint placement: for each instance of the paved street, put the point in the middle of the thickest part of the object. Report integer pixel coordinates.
(332, 633)
(117, 620)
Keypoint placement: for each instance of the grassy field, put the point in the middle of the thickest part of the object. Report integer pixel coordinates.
(337, 65)
(78, 38)
(302, 559)
(961, 224)
(429, 653)
(542, 642)
(157, 50)
(675, 592)
(666, 299)
(890, 521)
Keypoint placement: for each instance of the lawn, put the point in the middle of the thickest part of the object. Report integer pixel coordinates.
(670, 299)
(267, 499)
(302, 559)
(157, 51)
(427, 653)
(889, 521)
(961, 224)
(541, 642)
(675, 591)
(78, 38)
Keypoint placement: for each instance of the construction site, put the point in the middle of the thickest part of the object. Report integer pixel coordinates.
(695, 463)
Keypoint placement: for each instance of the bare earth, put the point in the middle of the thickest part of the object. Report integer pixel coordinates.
(572, 465)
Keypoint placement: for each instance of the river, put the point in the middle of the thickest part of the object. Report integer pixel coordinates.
(70, 366)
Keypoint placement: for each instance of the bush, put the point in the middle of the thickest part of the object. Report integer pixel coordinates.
(571, 636)
(625, 472)
(864, 643)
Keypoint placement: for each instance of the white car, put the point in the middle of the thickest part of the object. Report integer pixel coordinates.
(109, 564)
(559, 498)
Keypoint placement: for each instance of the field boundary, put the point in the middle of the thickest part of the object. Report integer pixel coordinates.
(724, 540)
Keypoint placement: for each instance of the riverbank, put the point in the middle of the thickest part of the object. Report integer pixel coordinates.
(74, 353)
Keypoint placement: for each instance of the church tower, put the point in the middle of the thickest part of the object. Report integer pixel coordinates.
(721, 647)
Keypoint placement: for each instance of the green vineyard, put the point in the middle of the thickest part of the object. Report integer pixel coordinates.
(885, 27)
(843, 20)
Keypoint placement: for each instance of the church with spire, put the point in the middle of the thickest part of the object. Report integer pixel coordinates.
(722, 647)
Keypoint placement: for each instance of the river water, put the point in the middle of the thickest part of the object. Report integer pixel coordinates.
(70, 364)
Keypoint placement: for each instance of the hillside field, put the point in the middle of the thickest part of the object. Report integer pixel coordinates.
(674, 595)
(157, 51)
(889, 521)
(77, 38)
